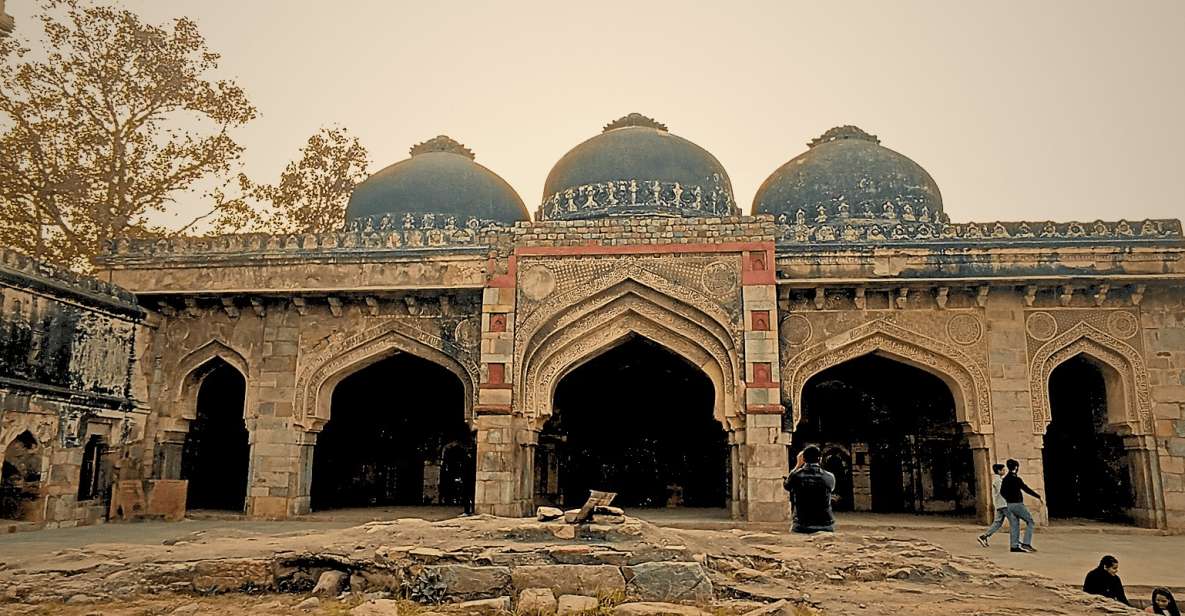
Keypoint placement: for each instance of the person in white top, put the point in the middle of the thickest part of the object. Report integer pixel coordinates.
(998, 501)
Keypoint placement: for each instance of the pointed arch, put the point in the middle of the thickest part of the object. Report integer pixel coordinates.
(1126, 363)
(195, 365)
(606, 318)
(346, 354)
(964, 377)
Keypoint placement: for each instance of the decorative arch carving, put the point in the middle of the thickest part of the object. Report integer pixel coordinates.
(346, 354)
(568, 302)
(966, 379)
(194, 367)
(1126, 361)
(596, 336)
(581, 326)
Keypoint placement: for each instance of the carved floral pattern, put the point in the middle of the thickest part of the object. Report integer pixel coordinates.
(887, 225)
(971, 389)
(1083, 338)
(639, 196)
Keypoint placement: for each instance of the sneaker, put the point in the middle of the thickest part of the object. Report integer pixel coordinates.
(1016, 550)
(1028, 548)
(983, 540)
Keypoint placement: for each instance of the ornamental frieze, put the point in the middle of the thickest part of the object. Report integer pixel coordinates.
(889, 225)
(636, 196)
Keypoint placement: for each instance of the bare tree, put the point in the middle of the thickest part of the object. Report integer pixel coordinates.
(116, 120)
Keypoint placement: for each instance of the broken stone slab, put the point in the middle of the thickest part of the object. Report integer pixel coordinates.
(537, 601)
(377, 607)
(575, 604)
(654, 608)
(676, 582)
(586, 555)
(481, 607)
(232, 574)
(564, 532)
(545, 514)
(599, 518)
(426, 555)
(571, 515)
(392, 554)
(466, 582)
(309, 604)
(659, 553)
(608, 510)
(570, 579)
(330, 584)
(777, 608)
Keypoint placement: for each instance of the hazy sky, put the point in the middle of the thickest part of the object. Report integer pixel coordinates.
(1020, 110)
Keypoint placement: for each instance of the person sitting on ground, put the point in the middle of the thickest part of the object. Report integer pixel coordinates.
(1104, 580)
(1013, 489)
(1163, 603)
(810, 489)
(1000, 504)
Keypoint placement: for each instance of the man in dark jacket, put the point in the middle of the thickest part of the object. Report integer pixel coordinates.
(1013, 489)
(810, 490)
(1104, 580)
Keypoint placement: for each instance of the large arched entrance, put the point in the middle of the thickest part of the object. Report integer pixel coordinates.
(890, 433)
(636, 420)
(216, 453)
(20, 478)
(396, 436)
(1087, 469)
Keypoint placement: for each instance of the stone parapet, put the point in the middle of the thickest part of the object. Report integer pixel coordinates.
(891, 226)
(664, 230)
(22, 271)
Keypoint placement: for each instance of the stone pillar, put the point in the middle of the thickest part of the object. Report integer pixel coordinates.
(1162, 322)
(168, 454)
(274, 472)
(764, 452)
(861, 477)
(1148, 510)
(1015, 435)
(500, 459)
(981, 460)
(736, 499)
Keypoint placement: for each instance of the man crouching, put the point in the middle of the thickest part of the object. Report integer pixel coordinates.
(810, 489)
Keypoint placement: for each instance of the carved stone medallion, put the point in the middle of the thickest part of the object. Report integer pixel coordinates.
(468, 333)
(719, 278)
(964, 329)
(1041, 326)
(537, 282)
(1123, 324)
(795, 330)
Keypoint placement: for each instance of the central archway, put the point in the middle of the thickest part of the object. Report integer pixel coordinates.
(396, 436)
(637, 419)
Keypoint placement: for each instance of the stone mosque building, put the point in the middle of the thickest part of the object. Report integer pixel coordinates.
(638, 332)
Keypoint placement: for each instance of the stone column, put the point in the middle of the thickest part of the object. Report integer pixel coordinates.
(1015, 435)
(736, 498)
(499, 459)
(275, 471)
(981, 460)
(764, 453)
(1148, 509)
(1162, 323)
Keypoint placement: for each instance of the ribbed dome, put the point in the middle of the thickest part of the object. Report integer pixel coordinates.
(847, 174)
(636, 167)
(440, 178)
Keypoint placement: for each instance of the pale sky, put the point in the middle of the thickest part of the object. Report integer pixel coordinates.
(1020, 110)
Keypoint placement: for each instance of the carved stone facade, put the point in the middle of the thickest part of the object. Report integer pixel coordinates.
(759, 304)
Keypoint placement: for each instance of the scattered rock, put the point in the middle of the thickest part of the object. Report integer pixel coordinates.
(466, 582)
(426, 555)
(330, 584)
(778, 608)
(232, 574)
(607, 510)
(575, 604)
(545, 514)
(598, 518)
(540, 601)
(653, 608)
(566, 531)
(569, 579)
(482, 607)
(185, 610)
(309, 604)
(80, 599)
(900, 574)
(357, 583)
(377, 607)
(571, 515)
(676, 582)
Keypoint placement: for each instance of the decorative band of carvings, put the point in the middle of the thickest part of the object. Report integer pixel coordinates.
(413, 231)
(893, 229)
(626, 197)
(24, 266)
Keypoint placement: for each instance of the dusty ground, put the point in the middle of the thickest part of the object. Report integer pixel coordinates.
(859, 571)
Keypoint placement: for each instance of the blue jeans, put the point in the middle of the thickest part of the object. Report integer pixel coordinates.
(1016, 513)
(1001, 513)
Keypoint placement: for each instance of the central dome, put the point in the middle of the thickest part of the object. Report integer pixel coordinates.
(635, 167)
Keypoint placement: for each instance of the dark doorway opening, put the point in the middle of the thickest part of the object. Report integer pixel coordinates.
(1087, 471)
(20, 479)
(889, 433)
(397, 436)
(216, 455)
(636, 420)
